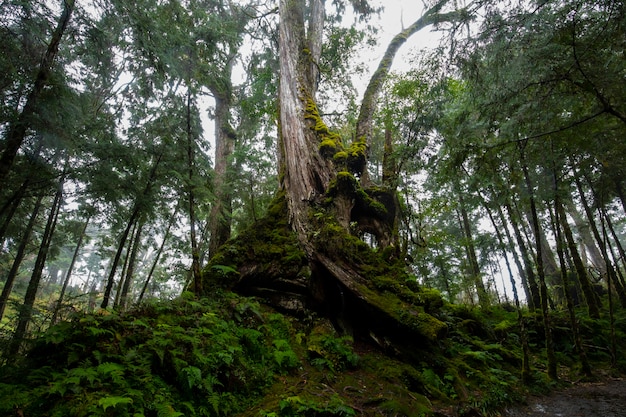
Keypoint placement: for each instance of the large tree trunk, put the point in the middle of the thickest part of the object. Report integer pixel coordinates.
(220, 218)
(306, 253)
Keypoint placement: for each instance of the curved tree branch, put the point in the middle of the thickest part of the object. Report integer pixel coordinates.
(370, 98)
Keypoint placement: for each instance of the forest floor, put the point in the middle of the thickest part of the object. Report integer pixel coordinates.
(605, 398)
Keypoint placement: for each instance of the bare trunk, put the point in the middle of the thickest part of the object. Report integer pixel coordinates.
(483, 297)
(131, 221)
(195, 255)
(543, 290)
(534, 302)
(581, 272)
(156, 259)
(68, 274)
(607, 266)
(33, 285)
(130, 270)
(511, 247)
(19, 256)
(220, 218)
(560, 245)
(584, 231)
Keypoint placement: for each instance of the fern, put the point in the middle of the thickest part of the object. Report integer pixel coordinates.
(167, 410)
(193, 376)
(225, 270)
(107, 402)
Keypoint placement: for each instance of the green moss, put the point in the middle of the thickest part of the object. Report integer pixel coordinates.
(330, 142)
(357, 156)
(328, 148)
(269, 243)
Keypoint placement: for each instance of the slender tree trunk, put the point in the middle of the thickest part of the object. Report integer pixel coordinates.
(526, 371)
(68, 274)
(618, 276)
(610, 294)
(33, 285)
(133, 218)
(534, 302)
(17, 130)
(483, 297)
(516, 258)
(156, 258)
(618, 244)
(195, 255)
(9, 209)
(543, 290)
(560, 245)
(608, 267)
(584, 231)
(583, 278)
(19, 256)
(550, 268)
(120, 283)
(131, 266)
(444, 275)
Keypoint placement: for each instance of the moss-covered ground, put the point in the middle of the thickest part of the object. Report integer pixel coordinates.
(228, 355)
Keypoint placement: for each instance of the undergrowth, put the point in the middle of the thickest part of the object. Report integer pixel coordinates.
(231, 356)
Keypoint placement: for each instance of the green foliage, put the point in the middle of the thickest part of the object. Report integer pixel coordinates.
(269, 243)
(193, 358)
(327, 350)
(296, 406)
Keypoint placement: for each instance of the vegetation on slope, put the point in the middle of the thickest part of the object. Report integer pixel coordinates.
(228, 355)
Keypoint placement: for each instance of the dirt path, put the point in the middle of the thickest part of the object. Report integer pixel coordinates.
(598, 399)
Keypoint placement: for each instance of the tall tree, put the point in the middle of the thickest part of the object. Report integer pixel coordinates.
(26, 310)
(325, 203)
(17, 130)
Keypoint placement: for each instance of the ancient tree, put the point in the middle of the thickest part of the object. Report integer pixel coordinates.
(307, 253)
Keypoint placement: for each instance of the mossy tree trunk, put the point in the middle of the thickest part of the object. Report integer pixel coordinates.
(307, 252)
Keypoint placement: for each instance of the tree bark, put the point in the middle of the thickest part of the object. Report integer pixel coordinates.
(131, 221)
(156, 258)
(68, 274)
(584, 232)
(483, 297)
(543, 290)
(195, 255)
(19, 256)
(560, 244)
(516, 258)
(534, 302)
(607, 266)
(220, 218)
(17, 130)
(130, 271)
(33, 285)
(306, 253)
